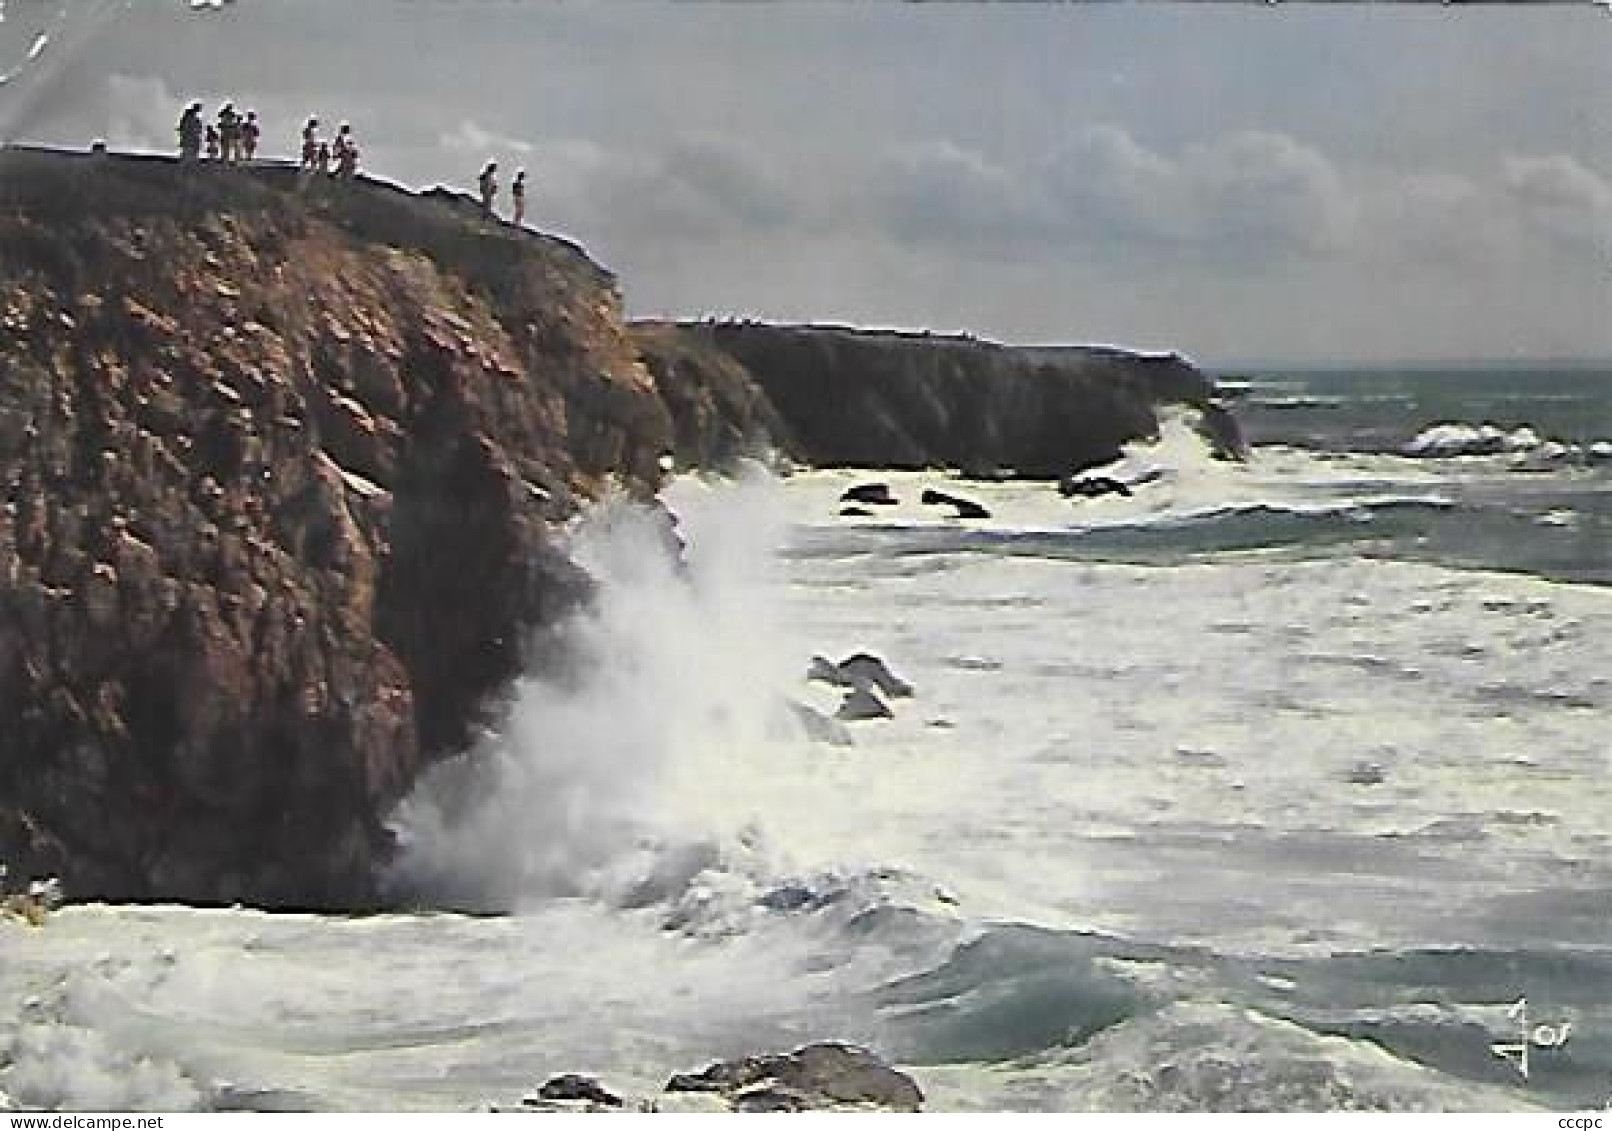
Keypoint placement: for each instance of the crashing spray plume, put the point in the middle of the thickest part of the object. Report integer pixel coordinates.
(667, 668)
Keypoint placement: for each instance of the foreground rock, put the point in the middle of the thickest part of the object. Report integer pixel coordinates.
(817, 1077)
(579, 1089)
(281, 473)
(826, 1076)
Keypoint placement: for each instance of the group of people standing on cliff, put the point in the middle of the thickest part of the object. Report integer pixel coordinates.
(234, 138)
(318, 156)
(487, 185)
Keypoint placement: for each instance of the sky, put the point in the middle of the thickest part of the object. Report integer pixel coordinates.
(1239, 182)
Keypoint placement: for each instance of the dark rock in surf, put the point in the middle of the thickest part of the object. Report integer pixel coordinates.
(872, 494)
(1366, 773)
(585, 1089)
(769, 1098)
(963, 508)
(823, 1076)
(860, 670)
(862, 704)
(855, 512)
(1092, 487)
(863, 669)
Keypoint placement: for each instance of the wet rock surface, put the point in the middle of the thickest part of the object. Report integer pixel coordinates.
(961, 507)
(821, 1076)
(824, 1076)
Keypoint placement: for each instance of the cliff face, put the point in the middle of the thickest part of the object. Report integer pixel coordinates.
(835, 396)
(280, 468)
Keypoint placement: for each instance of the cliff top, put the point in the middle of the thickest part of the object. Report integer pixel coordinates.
(448, 226)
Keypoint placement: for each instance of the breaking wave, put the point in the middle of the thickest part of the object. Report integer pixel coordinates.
(1453, 439)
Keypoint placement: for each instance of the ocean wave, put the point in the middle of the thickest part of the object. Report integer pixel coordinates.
(1165, 535)
(1081, 1021)
(1197, 1056)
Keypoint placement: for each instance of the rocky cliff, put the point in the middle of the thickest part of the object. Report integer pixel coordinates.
(838, 396)
(280, 464)
(283, 462)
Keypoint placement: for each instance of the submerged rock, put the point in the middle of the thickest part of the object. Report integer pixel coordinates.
(864, 668)
(963, 508)
(1092, 487)
(863, 703)
(573, 1087)
(823, 1076)
(873, 494)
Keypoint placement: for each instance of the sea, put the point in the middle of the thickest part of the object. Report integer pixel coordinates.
(1281, 785)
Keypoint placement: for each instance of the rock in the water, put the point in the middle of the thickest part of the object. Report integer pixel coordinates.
(1366, 773)
(863, 703)
(873, 494)
(855, 512)
(571, 1086)
(965, 508)
(863, 669)
(824, 670)
(819, 1076)
(1093, 486)
(770, 1098)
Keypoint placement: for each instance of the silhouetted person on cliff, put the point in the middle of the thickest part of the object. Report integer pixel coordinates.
(517, 192)
(229, 131)
(212, 143)
(310, 144)
(321, 159)
(250, 132)
(343, 142)
(191, 128)
(488, 184)
(347, 160)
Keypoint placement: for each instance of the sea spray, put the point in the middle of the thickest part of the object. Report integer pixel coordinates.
(677, 656)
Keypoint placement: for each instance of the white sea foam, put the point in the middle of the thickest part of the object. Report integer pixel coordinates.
(668, 665)
(1165, 753)
(1453, 439)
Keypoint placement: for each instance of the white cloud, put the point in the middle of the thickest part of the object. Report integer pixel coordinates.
(690, 188)
(477, 142)
(1560, 199)
(1239, 198)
